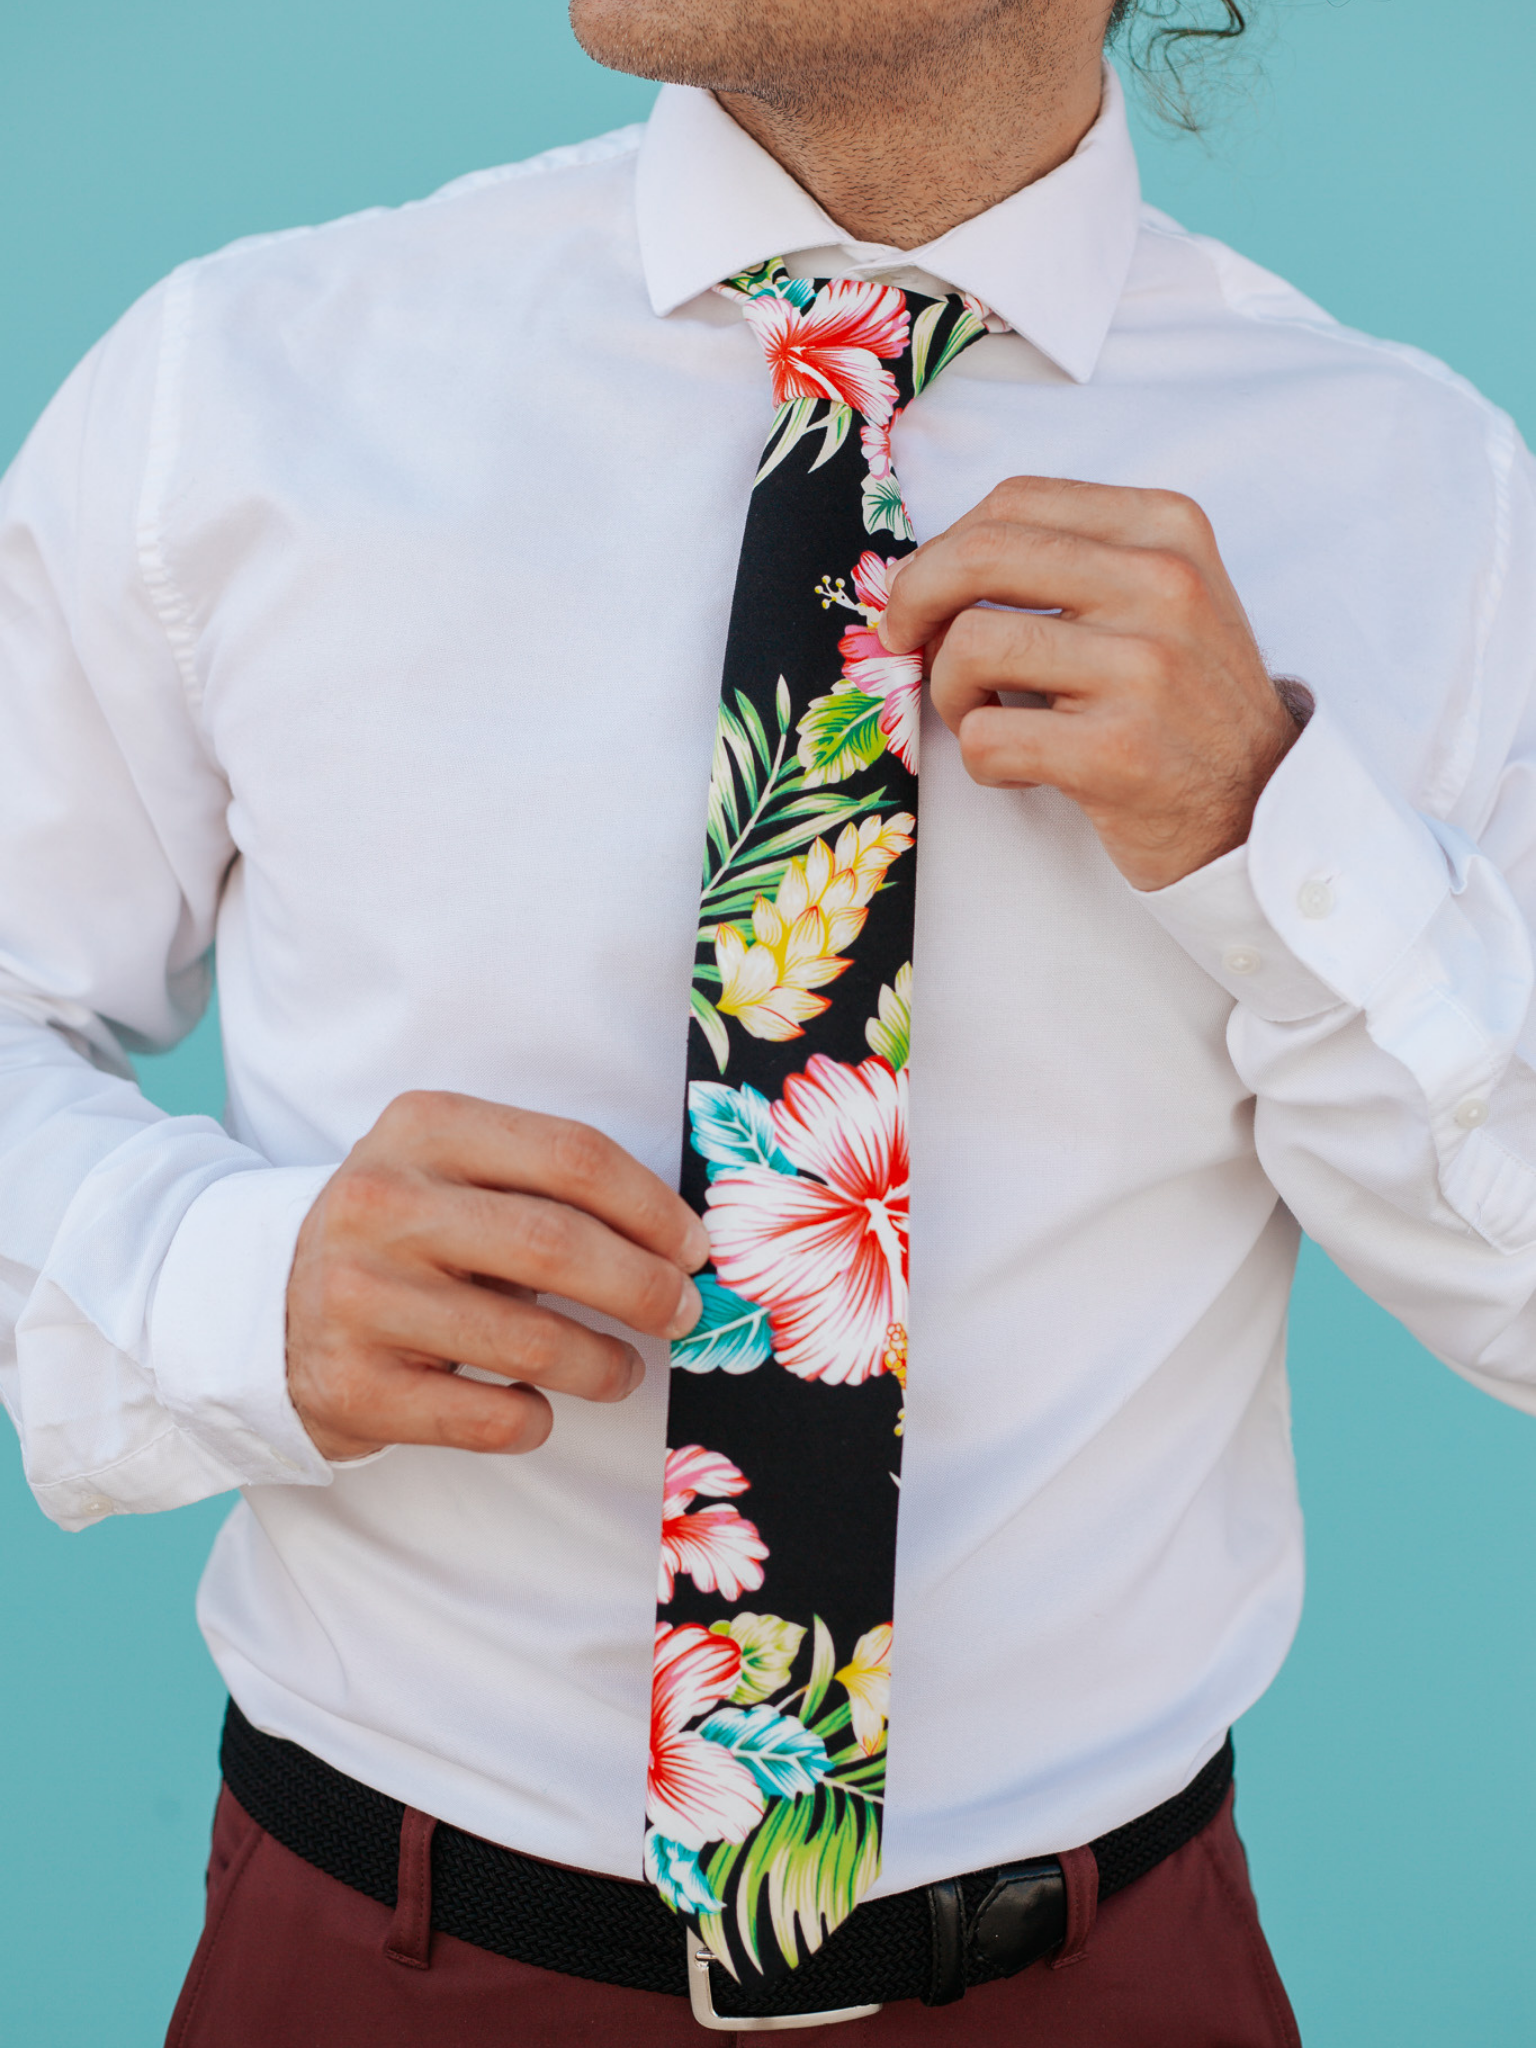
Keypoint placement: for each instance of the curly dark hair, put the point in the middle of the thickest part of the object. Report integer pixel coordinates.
(1157, 43)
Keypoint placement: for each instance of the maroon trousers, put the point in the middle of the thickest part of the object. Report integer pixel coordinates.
(290, 1958)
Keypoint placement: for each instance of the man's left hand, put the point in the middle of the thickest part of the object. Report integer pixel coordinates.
(1161, 721)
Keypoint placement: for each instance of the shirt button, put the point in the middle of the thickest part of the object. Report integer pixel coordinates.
(97, 1504)
(1472, 1112)
(1241, 960)
(1314, 899)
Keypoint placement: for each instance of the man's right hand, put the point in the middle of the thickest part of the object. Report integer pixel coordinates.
(426, 1250)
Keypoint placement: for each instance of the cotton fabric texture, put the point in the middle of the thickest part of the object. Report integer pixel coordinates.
(362, 605)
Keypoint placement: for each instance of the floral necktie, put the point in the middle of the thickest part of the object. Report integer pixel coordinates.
(768, 1719)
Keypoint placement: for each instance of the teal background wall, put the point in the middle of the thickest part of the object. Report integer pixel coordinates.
(1384, 158)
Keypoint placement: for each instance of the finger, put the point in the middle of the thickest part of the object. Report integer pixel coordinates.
(985, 652)
(555, 1249)
(1075, 752)
(1041, 568)
(1119, 514)
(417, 1403)
(455, 1322)
(496, 1146)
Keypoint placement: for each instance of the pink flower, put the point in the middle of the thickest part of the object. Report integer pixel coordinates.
(717, 1548)
(876, 443)
(897, 678)
(832, 348)
(696, 1791)
(827, 1257)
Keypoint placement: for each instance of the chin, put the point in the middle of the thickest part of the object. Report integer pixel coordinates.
(763, 47)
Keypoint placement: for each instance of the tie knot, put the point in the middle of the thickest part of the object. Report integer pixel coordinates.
(866, 347)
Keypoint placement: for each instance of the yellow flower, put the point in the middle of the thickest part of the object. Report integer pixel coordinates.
(798, 939)
(867, 1677)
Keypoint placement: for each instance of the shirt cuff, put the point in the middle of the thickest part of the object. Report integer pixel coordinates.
(1338, 879)
(218, 1324)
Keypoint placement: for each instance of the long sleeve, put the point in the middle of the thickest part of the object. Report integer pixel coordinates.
(142, 1257)
(1378, 947)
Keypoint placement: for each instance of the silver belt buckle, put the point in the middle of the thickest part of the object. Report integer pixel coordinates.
(701, 1998)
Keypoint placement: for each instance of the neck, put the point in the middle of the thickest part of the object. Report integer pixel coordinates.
(899, 164)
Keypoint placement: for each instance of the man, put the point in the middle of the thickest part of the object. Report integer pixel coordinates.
(365, 597)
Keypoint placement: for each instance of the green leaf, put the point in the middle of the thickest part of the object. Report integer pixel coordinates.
(782, 1754)
(923, 328)
(794, 419)
(885, 510)
(753, 725)
(890, 1034)
(826, 810)
(816, 1855)
(734, 891)
(769, 1647)
(840, 734)
(823, 1664)
(712, 1024)
(731, 1335)
(836, 423)
(734, 735)
(723, 820)
(831, 1723)
(717, 1871)
(964, 331)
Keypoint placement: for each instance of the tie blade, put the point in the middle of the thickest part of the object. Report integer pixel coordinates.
(776, 1580)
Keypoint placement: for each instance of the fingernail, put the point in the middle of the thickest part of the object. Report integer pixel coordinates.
(636, 1370)
(696, 1247)
(690, 1306)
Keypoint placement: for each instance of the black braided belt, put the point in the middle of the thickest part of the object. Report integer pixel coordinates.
(928, 1943)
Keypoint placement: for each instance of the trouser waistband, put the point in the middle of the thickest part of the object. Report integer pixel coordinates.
(929, 1943)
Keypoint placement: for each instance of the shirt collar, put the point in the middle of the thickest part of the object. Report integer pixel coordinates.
(1051, 259)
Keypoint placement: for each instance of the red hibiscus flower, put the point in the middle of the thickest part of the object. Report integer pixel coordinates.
(696, 1791)
(832, 347)
(719, 1549)
(827, 1257)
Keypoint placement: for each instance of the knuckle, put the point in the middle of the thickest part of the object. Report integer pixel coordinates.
(348, 1295)
(980, 545)
(583, 1156)
(493, 1431)
(548, 1234)
(1009, 498)
(536, 1347)
(1173, 579)
(362, 1197)
(412, 1116)
(1179, 515)
(967, 638)
(1151, 663)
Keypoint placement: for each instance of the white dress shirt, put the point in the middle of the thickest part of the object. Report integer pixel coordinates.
(362, 604)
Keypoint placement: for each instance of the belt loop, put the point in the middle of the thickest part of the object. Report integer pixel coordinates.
(409, 1939)
(1080, 1868)
(946, 1920)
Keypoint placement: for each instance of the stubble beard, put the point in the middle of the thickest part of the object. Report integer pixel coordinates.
(798, 55)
